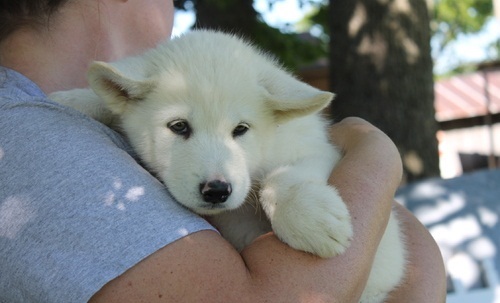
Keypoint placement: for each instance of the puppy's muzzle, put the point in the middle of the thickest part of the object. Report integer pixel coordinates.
(216, 191)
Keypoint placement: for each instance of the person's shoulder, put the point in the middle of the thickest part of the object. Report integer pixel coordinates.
(27, 112)
(16, 87)
(73, 184)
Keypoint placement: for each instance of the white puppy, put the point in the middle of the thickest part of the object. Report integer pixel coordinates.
(230, 133)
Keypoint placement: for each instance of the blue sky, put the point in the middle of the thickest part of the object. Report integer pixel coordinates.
(469, 48)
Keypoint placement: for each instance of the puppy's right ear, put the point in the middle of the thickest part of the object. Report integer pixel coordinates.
(117, 90)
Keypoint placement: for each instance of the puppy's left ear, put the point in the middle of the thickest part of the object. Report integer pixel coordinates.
(116, 88)
(290, 98)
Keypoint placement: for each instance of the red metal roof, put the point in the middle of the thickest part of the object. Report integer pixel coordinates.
(465, 96)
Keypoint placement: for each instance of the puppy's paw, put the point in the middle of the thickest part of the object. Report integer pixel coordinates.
(313, 218)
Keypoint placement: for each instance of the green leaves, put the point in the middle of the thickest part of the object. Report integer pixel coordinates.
(452, 17)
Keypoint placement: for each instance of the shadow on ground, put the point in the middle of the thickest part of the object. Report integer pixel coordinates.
(462, 214)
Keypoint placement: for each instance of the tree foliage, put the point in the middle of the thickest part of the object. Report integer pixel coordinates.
(452, 18)
(449, 19)
(240, 17)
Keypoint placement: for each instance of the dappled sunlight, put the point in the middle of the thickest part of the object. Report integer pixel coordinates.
(134, 193)
(443, 208)
(465, 248)
(488, 217)
(182, 231)
(462, 214)
(400, 6)
(456, 232)
(15, 213)
(413, 162)
(374, 43)
(482, 248)
(358, 19)
(463, 268)
(119, 196)
(428, 190)
(375, 46)
(411, 48)
(465, 272)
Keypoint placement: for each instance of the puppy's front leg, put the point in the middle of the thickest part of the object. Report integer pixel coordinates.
(304, 211)
(87, 102)
(242, 226)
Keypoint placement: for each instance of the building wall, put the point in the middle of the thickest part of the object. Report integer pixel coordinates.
(473, 143)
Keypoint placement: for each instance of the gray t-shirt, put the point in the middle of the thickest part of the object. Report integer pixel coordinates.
(76, 210)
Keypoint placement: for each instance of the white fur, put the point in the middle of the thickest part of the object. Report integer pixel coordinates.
(277, 170)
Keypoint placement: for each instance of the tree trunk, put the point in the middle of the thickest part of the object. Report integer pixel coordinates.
(381, 70)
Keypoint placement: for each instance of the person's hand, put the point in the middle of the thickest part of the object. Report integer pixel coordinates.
(368, 152)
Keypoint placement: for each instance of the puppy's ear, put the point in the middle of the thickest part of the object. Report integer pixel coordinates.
(116, 89)
(290, 98)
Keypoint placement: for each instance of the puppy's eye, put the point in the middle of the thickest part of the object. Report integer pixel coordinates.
(180, 127)
(240, 130)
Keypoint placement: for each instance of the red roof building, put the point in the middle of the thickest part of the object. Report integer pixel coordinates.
(468, 96)
(468, 111)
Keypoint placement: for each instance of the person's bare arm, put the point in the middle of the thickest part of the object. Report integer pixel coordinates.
(203, 267)
(425, 279)
(367, 178)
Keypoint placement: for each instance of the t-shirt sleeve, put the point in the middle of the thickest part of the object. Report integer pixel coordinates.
(76, 210)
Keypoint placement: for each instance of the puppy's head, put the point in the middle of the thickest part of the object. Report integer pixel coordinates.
(201, 110)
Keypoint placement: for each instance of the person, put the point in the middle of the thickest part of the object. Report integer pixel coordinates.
(81, 221)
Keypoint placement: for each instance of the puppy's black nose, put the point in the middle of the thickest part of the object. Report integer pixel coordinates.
(215, 191)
